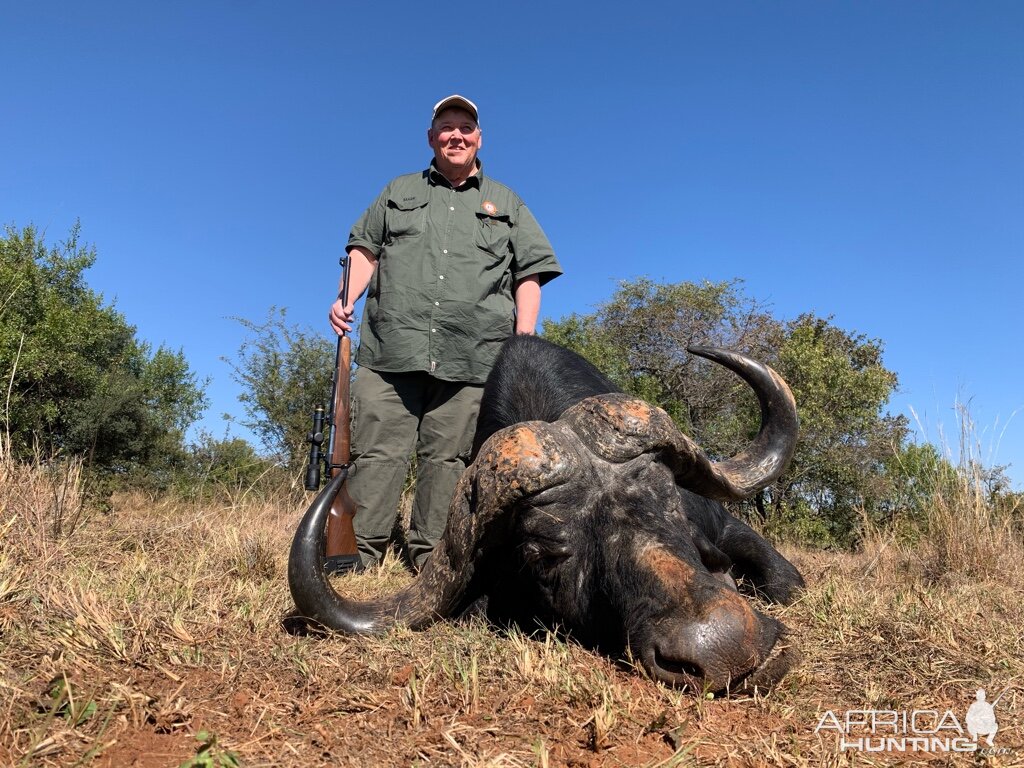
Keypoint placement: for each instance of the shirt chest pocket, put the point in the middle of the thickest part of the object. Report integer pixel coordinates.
(406, 217)
(493, 233)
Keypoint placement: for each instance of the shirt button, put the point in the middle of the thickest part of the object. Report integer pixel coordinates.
(441, 277)
(437, 303)
(433, 330)
(451, 208)
(445, 251)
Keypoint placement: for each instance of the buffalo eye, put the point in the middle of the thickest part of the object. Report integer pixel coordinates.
(544, 555)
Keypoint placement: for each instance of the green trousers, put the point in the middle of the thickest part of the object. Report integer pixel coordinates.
(393, 416)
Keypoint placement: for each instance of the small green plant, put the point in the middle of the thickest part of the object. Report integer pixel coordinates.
(210, 754)
(61, 702)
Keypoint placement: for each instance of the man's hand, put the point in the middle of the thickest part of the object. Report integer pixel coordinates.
(341, 317)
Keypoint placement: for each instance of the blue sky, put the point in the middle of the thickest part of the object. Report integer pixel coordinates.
(863, 160)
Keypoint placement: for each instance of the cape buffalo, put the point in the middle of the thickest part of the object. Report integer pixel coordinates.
(588, 510)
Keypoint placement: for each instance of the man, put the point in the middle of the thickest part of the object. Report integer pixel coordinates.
(454, 262)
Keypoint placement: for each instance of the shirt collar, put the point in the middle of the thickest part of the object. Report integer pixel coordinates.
(436, 177)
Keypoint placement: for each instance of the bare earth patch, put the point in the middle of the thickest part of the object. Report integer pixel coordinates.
(157, 623)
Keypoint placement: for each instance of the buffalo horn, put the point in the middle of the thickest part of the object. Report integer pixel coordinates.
(764, 458)
(515, 463)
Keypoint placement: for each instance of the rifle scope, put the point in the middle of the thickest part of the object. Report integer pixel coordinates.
(315, 440)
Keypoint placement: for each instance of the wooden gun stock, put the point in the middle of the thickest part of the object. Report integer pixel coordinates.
(341, 538)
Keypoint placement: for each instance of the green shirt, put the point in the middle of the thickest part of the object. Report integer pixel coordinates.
(448, 260)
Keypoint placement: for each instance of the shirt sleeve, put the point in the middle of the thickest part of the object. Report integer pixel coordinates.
(532, 253)
(368, 231)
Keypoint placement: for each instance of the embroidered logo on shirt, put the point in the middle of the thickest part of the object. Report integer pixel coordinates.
(489, 207)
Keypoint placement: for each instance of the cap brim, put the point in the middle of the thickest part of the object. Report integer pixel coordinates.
(457, 102)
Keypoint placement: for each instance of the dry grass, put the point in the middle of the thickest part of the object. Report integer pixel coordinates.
(122, 636)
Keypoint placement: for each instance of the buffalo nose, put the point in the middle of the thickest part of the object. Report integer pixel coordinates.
(727, 642)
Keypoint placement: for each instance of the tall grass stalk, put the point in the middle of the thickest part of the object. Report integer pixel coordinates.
(968, 532)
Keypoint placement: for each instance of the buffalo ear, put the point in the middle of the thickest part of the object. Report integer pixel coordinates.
(758, 563)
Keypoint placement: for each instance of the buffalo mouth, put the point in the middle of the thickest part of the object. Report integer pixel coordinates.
(782, 657)
(714, 668)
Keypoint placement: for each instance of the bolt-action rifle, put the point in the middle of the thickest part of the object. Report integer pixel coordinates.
(341, 555)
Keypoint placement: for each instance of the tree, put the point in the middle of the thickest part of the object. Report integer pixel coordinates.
(78, 381)
(285, 372)
(847, 441)
(229, 468)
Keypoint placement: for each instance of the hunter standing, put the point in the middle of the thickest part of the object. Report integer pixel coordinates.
(454, 263)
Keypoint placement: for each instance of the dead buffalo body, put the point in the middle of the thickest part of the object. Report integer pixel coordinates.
(587, 510)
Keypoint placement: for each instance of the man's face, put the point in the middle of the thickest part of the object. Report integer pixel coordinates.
(455, 138)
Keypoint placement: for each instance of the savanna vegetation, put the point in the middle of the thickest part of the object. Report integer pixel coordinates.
(142, 573)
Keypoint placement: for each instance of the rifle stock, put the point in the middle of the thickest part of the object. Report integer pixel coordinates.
(341, 537)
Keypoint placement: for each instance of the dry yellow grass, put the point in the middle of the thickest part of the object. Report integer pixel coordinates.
(123, 635)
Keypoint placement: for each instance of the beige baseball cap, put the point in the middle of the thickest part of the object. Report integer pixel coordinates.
(461, 102)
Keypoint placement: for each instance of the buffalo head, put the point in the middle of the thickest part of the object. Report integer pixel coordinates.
(595, 516)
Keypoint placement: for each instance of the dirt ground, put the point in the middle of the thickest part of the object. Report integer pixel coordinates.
(153, 637)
